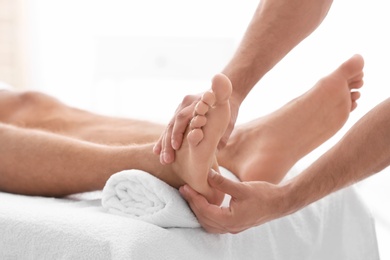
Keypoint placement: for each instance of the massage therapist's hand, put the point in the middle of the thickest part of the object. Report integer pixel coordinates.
(172, 137)
(251, 204)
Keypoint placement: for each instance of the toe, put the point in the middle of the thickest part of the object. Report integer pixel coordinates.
(195, 136)
(201, 108)
(208, 98)
(222, 88)
(198, 122)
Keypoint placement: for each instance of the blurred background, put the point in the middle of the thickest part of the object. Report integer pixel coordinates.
(140, 58)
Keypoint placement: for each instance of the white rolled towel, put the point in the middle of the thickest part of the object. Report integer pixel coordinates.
(140, 195)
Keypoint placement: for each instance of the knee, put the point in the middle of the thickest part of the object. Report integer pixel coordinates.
(31, 98)
(9, 105)
(13, 101)
(14, 105)
(34, 101)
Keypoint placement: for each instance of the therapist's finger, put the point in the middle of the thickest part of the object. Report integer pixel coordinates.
(183, 118)
(213, 230)
(210, 216)
(157, 147)
(167, 154)
(225, 185)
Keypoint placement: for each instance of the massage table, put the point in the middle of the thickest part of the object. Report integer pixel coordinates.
(78, 227)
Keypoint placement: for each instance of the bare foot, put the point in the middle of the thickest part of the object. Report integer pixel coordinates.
(266, 148)
(198, 153)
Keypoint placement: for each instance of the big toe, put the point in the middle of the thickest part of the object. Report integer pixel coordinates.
(353, 67)
(222, 88)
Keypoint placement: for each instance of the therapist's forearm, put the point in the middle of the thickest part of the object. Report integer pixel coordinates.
(276, 27)
(363, 151)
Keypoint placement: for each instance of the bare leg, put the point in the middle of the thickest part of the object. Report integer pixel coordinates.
(31, 110)
(280, 139)
(42, 127)
(36, 110)
(60, 151)
(35, 162)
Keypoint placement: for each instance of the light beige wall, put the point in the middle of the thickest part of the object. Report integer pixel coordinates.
(12, 43)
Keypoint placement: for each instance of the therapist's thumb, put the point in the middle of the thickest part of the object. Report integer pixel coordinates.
(223, 184)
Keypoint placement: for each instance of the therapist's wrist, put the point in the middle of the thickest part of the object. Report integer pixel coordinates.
(291, 198)
(276, 200)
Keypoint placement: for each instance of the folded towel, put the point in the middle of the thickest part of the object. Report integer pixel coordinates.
(140, 195)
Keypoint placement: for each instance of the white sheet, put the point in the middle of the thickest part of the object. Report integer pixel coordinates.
(336, 227)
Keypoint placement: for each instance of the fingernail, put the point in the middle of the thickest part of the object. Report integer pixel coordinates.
(212, 173)
(175, 144)
(162, 158)
(167, 157)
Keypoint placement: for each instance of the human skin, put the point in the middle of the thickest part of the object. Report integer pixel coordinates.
(363, 151)
(52, 149)
(277, 26)
(35, 162)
